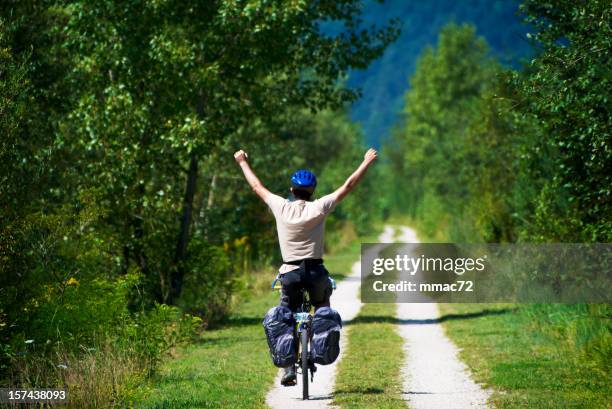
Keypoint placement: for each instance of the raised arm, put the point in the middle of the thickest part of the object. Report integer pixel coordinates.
(252, 179)
(351, 182)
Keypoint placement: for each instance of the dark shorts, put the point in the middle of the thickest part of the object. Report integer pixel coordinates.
(314, 279)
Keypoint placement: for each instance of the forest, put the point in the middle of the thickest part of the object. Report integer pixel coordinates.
(127, 230)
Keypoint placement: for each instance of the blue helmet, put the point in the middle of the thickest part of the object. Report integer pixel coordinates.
(304, 179)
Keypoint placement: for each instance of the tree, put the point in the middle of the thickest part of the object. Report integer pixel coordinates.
(435, 140)
(567, 88)
(162, 83)
(31, 168)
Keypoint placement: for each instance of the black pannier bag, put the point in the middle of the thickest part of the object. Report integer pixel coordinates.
(279, 325)
(326, 326)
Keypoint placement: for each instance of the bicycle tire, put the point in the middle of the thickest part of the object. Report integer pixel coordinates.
(304, 342)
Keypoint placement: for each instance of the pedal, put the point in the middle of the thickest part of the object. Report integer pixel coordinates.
(313, 369)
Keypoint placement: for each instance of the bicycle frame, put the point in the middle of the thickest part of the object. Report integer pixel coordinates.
(303, 320)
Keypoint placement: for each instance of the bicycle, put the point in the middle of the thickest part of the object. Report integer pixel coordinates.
(303, 332)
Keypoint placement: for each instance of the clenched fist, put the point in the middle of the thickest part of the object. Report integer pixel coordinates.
(240, 156)
(370, 156)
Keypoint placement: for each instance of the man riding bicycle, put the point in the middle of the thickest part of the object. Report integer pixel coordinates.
(300, 224)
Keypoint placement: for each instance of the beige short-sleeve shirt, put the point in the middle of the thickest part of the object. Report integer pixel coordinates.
(300, 226)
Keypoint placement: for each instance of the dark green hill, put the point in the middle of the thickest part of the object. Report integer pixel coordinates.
(386, 80)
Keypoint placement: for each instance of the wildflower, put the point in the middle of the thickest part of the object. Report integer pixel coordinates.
(72, 281)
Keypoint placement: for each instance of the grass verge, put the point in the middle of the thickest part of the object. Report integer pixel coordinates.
(228, 368)
(369, 373)
(524, 359)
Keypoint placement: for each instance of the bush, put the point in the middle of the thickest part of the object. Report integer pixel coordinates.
(111, 367)
(210, 279)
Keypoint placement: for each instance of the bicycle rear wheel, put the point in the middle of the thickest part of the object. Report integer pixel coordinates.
(304, 342)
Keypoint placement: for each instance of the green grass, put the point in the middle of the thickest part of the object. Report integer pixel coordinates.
(229, 367)
(369, 373)
(525, 360)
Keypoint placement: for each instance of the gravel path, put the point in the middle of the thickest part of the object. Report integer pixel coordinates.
(346, 300)
(434, 377)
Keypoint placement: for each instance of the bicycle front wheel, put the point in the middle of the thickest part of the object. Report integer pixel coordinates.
(304, 342)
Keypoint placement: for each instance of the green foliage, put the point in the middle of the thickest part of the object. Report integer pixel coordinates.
(434, 153)
(52, 254)
(332, 132)
(152, 334)
(209, 283)
(567, 89)
(118, 191)
(68, 302)
(583, 328)
(12, 107)
(158, 86)
(498, 155)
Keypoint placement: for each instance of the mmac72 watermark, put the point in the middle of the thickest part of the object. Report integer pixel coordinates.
(443, 272)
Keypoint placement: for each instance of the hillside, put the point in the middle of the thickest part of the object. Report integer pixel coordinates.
(386, 79)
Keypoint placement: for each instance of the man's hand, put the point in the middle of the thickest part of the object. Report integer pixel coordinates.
(370, 156)
(240, 156)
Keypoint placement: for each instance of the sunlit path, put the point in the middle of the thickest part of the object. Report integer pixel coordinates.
(434, 376)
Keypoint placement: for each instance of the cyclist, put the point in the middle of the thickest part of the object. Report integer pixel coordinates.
(300, 225)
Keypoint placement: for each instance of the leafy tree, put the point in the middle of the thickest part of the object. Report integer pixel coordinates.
(31, 168)
(521, 156)
(162, 83)
(435, 140)
(113, 116)
(13, 100)
(384, 82)
(567, 88)
(503, 170)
